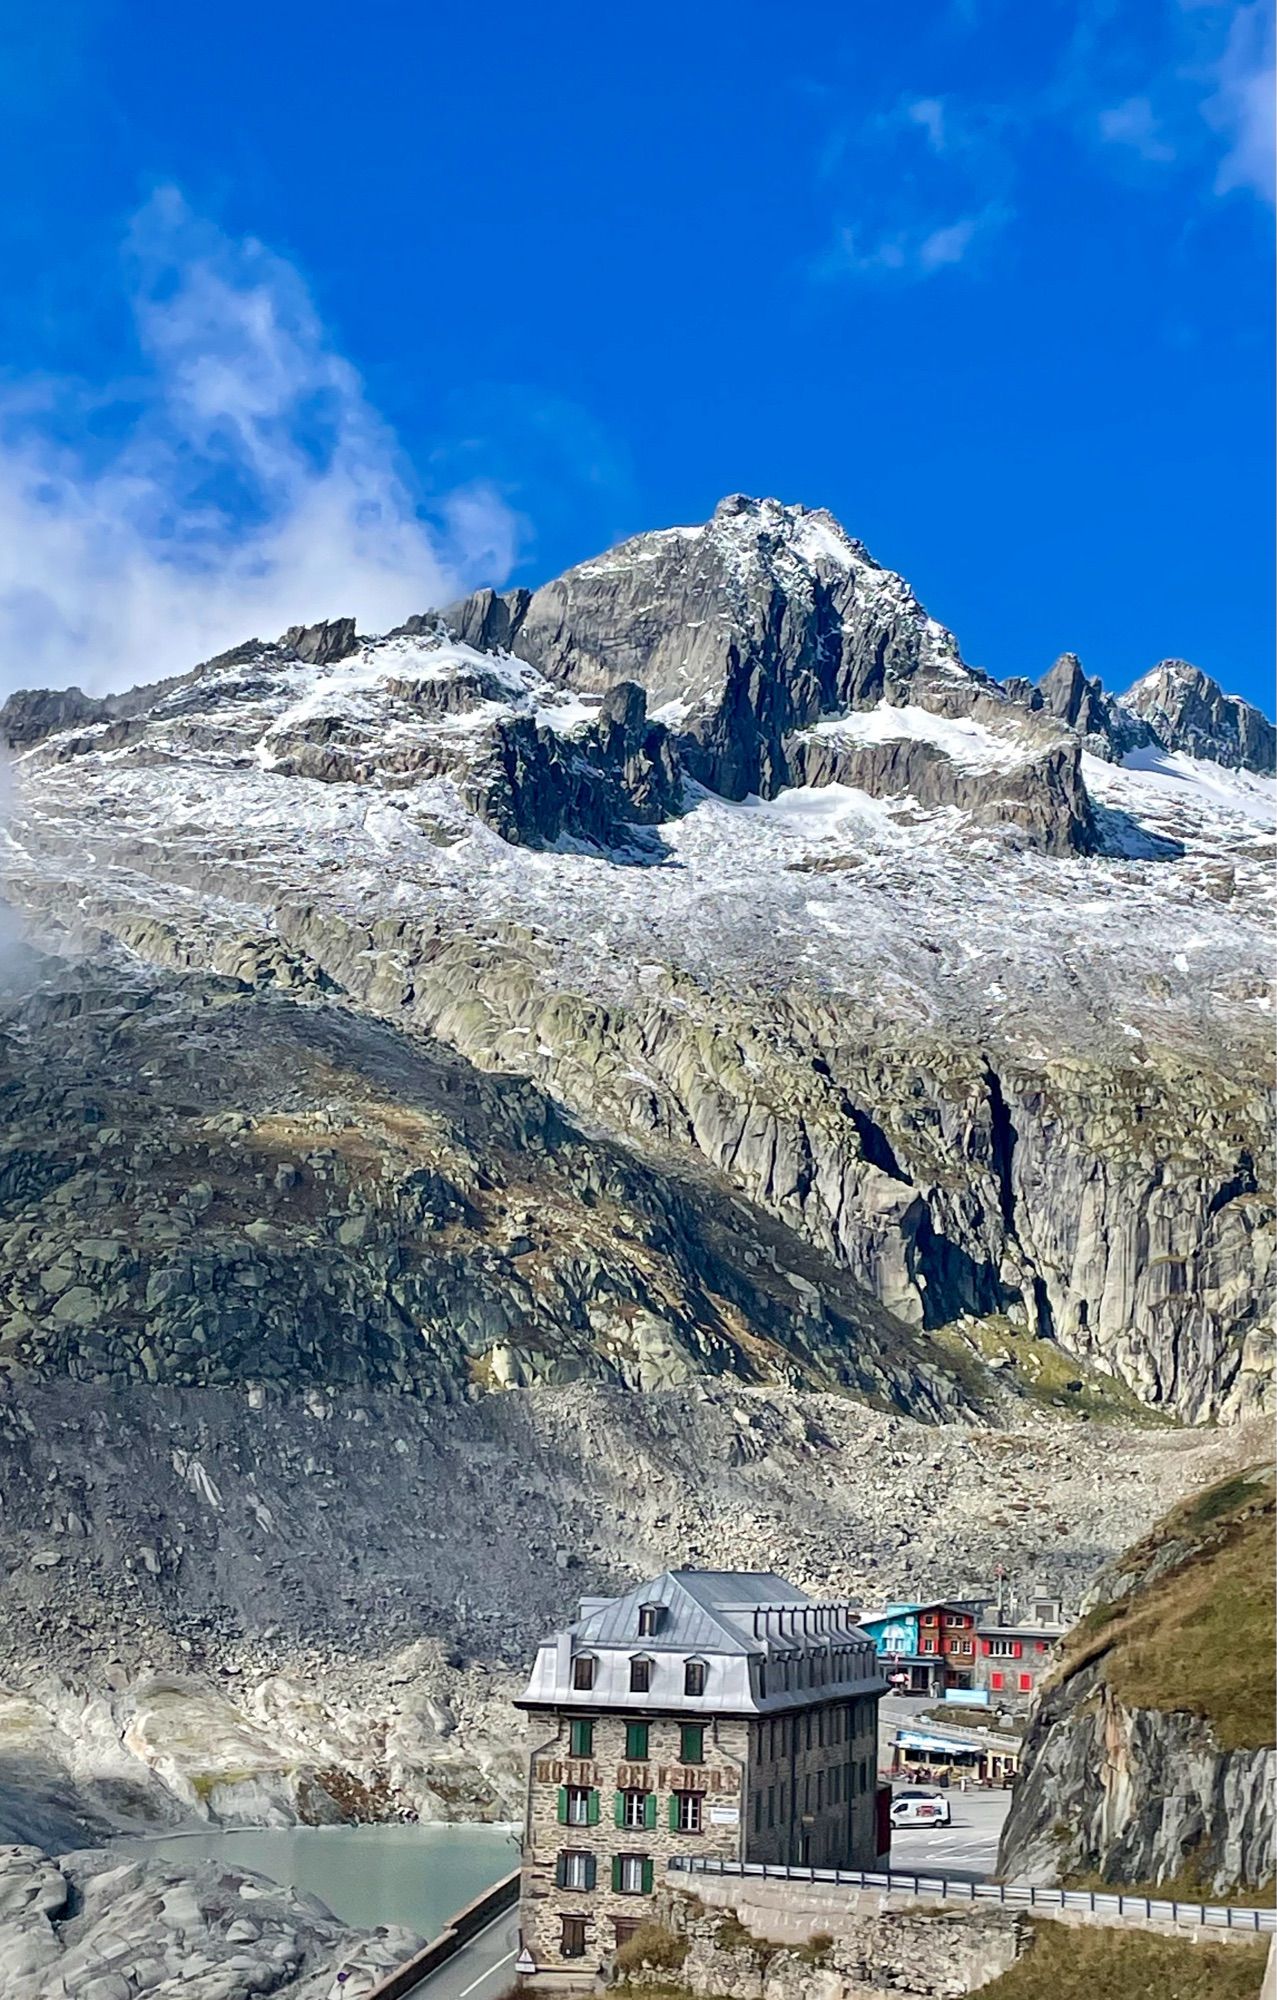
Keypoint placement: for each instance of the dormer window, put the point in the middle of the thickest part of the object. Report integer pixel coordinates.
(694, 1677)
(651, 1619)
(640, 1674)
(583, 1667)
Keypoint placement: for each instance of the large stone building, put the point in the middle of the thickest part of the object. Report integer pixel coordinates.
(706, 1712)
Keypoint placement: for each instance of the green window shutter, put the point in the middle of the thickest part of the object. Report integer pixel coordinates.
(582, 1739)
(561, 1872)
(636, 1741)
(673, 1812)
(647, 1878)
(692, 1743)
(591, 1871)
(616, 1874)
(563, 1805)
(649, 1809)
(620, 1808)
(592, 1808)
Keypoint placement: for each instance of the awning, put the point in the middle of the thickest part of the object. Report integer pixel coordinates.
(914, 1739)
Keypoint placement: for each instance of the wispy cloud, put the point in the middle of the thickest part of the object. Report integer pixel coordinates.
(238, 483)
(1134, 123)
(910, 253)
(1204, 101)
(930, 191)
(928, 112)
(1240, 107)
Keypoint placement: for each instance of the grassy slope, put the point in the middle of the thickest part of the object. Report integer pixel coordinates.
(1201, 1634)
(1080, 1963)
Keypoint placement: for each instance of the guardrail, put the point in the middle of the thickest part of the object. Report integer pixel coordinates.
(1011, 1895)
(467, 1923)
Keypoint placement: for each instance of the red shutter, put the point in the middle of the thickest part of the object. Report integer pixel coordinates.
(995, 1682)
(1018, 1650)
(987, 1646)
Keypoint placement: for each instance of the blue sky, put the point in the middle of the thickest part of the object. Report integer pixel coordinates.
(322, 308)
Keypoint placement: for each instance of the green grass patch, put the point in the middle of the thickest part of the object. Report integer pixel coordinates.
(1085, 1962)
(1185, 1886)
(1041, 1372)
(1201, 1638)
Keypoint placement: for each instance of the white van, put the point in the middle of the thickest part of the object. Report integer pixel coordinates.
(918, 1808)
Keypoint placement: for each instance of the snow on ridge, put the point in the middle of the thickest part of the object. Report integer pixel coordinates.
(969, 743)
(1150, 776)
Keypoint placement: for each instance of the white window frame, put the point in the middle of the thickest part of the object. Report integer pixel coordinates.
(632, 1868)
(691, 1812)
(576, 1868)
(578, 1797)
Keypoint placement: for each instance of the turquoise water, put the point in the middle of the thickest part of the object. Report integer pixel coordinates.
(418, 1876)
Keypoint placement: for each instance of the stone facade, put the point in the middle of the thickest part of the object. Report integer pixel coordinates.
(811, 1786)
(799, 1787)
(598, 1897)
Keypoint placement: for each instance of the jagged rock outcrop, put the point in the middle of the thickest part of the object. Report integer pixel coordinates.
(1150, 1758)
(31, 714)
(534, 785)
(96, 1925)
(1080, 702)
(750, 627)
(1184, 709)
(333, 639)
(1044, 797)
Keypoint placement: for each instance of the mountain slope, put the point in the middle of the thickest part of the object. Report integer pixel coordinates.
(673, 1063)
(965, 985)
(1151, 1757)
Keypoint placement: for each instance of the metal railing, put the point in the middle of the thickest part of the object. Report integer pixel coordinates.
(1010, 1895)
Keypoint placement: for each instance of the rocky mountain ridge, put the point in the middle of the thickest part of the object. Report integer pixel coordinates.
(943, 994)
(686, 1005)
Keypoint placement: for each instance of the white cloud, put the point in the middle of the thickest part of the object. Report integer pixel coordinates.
(910, 253)
(1205, 99)
(246, 483)
(948, 245)
(1134, 123)
(1241, 106)
(928, 112)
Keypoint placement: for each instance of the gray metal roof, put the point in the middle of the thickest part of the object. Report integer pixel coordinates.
(710, 1610)
(767, 1646)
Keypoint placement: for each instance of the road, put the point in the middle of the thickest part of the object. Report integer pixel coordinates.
(482, 1969)
(966, 1851)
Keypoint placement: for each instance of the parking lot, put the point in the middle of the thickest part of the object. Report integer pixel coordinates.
(967, 1850)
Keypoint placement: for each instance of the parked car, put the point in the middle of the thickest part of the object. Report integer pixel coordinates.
(918, 1808)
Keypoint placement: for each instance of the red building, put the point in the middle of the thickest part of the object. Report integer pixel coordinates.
(1017, 1648)
(947, 1635)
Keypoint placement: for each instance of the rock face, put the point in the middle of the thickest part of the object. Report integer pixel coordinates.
(91, 1926)
(1148, 1761)
(718, 842)
(1185, 710)
(851, 1954)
